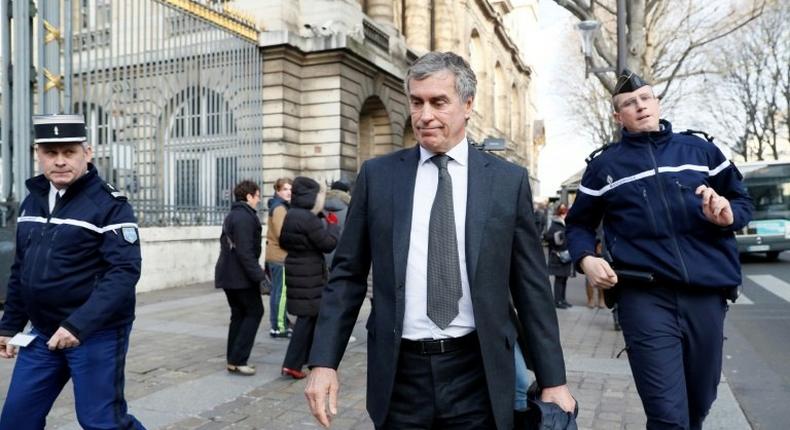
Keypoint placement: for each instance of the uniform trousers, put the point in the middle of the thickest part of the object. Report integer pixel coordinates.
(674, 338)
(444, 391)
(96, 368)
(246, 312)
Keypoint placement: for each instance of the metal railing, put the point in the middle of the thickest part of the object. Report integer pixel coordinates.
(172, 98)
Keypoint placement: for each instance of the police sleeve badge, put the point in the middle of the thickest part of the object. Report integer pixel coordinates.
(129, 234)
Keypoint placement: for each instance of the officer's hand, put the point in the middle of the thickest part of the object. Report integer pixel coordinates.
(6, 350)
(715, 207)
(62, 339)
(322, 387)
(560, 395)
(598, 271)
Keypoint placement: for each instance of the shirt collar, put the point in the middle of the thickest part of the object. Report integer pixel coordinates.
(53, 190)
(459, 153)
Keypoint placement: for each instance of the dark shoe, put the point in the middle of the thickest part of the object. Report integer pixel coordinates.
(293, 373)
(241, 370)
(560, 305)
(567, 305)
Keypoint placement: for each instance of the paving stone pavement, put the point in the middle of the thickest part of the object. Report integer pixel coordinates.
(175, 376)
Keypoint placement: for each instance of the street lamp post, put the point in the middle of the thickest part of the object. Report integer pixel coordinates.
(589, 30)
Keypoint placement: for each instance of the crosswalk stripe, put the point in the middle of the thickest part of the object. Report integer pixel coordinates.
(743, 300)
(773, 284)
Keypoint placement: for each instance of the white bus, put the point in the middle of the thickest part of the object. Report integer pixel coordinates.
(768, 183)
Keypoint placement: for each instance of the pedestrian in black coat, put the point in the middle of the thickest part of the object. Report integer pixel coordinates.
(307, 239)
(238, 272)
(559, 262)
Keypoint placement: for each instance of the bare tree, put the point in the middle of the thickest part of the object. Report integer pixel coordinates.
(753, 97)
(664, 37)
(592, 107)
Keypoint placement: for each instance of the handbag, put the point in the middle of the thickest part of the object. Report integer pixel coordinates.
(564, 256)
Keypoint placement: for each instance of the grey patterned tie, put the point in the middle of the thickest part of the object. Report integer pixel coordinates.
(444, 271)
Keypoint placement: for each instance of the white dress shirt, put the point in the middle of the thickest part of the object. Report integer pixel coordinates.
(416, 324)
(52, 192)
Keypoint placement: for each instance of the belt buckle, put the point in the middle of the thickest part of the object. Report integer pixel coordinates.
(441, 346)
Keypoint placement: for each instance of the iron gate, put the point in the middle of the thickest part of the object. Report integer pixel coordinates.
(171, 93)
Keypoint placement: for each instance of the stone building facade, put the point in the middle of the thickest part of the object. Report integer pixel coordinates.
(333, 78)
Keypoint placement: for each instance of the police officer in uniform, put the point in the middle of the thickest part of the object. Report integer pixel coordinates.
(670, 204)
(74, 274)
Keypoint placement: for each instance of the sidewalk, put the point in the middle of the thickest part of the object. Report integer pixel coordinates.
(175, 376)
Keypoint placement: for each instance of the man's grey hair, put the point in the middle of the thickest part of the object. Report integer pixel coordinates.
(437, 62)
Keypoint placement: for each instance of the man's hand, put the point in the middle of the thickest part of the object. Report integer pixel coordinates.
(62, 339)
(322, 387)
(715, 207)
(599, 272)
(559, 395)
(6, 350)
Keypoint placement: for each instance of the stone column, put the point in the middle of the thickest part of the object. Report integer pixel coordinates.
(444, 26)
(418, 25)
(380, 11)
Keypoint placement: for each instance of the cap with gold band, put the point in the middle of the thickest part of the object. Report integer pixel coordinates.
(627, 82)
(59, 129)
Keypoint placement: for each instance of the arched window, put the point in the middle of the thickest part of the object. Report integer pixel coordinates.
(200, 164)
(502, 119)
(516, 115)
(477, 62)
(96, 123)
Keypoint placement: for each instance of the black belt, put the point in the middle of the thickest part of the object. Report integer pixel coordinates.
(439, 346)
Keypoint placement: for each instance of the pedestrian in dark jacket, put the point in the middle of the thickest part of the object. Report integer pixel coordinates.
(306, 239)
(239, 274)
(337, 201)
(670, 204)
(559, 259)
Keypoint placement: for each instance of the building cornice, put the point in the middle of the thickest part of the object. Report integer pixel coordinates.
(499, 28)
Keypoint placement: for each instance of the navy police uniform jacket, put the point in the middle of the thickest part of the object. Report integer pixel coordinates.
(76, 267)
(643, 188)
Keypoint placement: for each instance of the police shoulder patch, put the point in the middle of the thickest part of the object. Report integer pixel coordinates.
(110, 188)
(129, 234)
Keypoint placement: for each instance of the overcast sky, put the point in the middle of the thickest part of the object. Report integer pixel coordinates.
(566, 147)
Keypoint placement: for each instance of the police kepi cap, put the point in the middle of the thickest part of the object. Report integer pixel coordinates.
(627, 82)
(59, 129)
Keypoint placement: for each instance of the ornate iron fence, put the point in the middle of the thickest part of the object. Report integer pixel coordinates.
(171, 92)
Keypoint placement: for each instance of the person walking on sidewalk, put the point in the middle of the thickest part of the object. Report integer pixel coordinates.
(275, 258)
(337, 201)
(559, 259)
(450, 232)
(306, 239)
(76, 265)
(670, 205)
(239, 273)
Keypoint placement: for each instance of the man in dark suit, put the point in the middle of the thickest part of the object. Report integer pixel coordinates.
(450, 232)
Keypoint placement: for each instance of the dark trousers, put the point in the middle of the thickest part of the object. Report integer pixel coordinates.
(560, 284)
(440, 391)
(246, 312)
(96, 367)
(674, 339)
(301, 341)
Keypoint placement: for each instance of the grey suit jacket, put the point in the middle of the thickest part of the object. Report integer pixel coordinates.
(504, 259)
